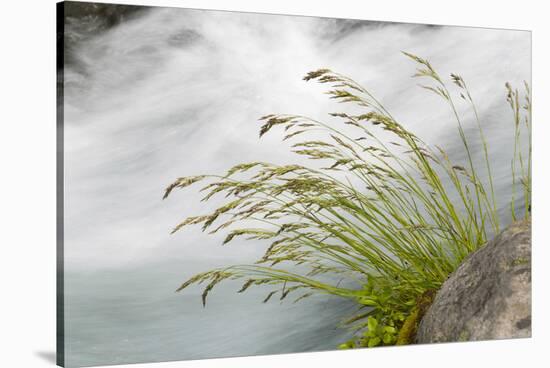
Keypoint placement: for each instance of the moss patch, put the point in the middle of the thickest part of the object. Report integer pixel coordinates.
(464, 336)
(407, 333)
(520, 261)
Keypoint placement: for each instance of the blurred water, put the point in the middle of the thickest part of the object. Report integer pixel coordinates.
(133, 315)
(177, 92)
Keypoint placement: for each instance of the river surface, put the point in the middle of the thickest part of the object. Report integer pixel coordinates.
(173, 92)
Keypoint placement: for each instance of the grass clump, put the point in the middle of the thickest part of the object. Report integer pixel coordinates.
(381, 222)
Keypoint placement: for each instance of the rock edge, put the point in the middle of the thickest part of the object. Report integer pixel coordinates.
(488, 296)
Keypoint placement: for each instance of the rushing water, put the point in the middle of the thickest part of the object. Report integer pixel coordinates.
(178, 92)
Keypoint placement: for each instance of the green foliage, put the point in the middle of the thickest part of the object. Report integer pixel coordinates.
(370, 220)
(381, 330)
(375, 335)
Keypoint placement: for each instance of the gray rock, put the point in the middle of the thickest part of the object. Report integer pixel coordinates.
(86, 20)
(488, 296)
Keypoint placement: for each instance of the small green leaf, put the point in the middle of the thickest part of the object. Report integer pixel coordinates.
(367, 301)
(375, 341)
(372, 323)
(369, 333)
(346, 345)
(388, 339)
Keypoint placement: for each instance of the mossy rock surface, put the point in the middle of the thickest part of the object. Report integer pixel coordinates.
(488, 296)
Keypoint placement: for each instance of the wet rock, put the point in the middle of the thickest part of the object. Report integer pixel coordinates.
(110, 14)
(85, 20)
(488, 296)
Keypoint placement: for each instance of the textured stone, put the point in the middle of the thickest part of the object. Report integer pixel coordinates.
(488, 296)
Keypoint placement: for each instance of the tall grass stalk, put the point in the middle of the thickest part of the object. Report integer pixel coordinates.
(391, 218)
